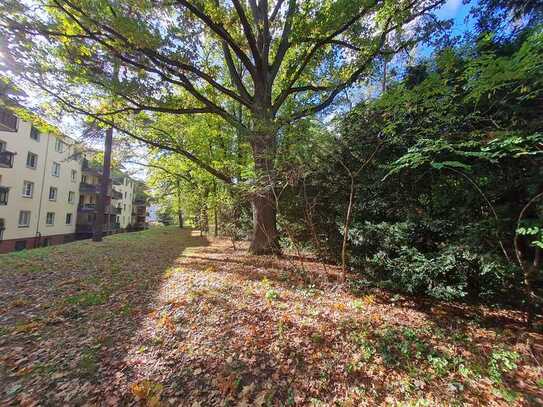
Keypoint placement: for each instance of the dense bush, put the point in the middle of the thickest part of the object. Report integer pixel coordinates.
(450, 155)
(419, 259)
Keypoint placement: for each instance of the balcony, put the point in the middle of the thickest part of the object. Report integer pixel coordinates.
(4, 193)
(117, 210)
(8, 121)
(89, 229)
(91, 207)
(117, 195)
(6, 159)
(86, 188)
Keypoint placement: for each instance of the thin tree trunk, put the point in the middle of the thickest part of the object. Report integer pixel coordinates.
(384, 82)
(215, 214)
(104, 186)
(346, 229)
(529, 269)
(179, 213)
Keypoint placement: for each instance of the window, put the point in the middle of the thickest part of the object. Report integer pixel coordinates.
(4, 192)
(34, 134)
(84, 179)
(31, 160)
(74, 175)
(59, 145)
(28, 189)
(2, 227)
(20, 245)
(50, 218)
(125, 195)
(56, 170)
(24, 219)
(71, 197)
(53, 193)
(2, 146)
(68, 218)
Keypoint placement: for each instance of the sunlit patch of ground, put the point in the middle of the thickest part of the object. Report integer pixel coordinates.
(167, 317)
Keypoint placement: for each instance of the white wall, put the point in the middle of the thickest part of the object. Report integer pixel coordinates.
(127, 189)
(21, 143)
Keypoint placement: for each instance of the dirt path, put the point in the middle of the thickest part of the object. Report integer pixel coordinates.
(163, 317)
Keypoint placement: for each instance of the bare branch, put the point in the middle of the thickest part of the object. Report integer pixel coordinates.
(221, 32)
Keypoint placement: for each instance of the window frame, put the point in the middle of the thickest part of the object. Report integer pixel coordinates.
(59, 145)
(25, 183)
(29, 155)
(4, 194)
(47, 223)
(70, 215)
(35, 134)
(24, 225)
(52, 188)
(53, 172)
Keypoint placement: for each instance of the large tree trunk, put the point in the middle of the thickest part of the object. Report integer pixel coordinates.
(265, 239)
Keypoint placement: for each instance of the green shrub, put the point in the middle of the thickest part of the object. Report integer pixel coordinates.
(415, 259)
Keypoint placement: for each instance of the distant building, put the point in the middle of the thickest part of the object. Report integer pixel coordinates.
(49, 190)
(140, 214)
(124, 186)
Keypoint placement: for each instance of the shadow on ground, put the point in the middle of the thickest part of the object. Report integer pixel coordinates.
(69, 313)
(165, 318)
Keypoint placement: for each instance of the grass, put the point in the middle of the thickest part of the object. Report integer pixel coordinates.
(164, 316)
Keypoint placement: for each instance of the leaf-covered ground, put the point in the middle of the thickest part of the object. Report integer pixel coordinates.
(165, 317)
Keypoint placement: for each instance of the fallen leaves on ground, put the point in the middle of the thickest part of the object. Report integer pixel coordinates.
(165, 317)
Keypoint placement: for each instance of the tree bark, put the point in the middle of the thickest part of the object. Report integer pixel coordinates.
(179, 212)
(265, 239)
(104, 186)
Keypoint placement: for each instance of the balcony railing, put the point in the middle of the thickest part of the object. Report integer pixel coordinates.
(8, 121)
(6, 159)
(87, 207)
(91, 207)
(86, 188)
(90, 228)
(117, 210)
(117, 195)
(89, 188)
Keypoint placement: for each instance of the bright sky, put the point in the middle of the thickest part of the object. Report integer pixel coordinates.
(454, 9)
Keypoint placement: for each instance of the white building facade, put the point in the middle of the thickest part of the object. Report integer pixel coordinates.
(40, 175)
(124, 186)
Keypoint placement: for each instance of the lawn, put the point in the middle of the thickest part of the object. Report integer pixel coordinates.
(166, 317)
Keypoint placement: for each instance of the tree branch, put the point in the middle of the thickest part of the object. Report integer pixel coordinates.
(221, 32)
(176, 149)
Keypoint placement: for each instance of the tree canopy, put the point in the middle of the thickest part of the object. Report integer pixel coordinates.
(257, 65)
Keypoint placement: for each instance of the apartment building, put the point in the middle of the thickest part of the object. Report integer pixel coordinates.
(49, 190)
(140, 214)
(118, 209)
(125, 186)
(39, 185)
